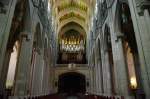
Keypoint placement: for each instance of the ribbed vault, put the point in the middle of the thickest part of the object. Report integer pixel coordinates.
(71, 26)
(66, 11)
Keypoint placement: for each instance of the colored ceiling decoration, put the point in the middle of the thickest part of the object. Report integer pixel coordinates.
(71, 20)
(78, 11)
(71, 15)
(73, 4)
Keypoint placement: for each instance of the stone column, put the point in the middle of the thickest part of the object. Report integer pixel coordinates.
(91, 89)
(121, 71)
(45, 78)
(100, 76)
(94, 80)
(48, 79)
(38, 75)
(93, 73)
(108, 88)
(100, 68)
(141, 23)
(23, 66)
(42, 76)
(3, 77)
(96, 72)
(6, 66)
(120, 68)
(98, 63)
(106, 72)
(5, 25)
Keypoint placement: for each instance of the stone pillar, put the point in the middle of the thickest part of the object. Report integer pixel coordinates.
(141, 23)
(100, 67)
(6, 66)
(45, 78)
(37, 82)
(94, 80)
(104, 70)
(100, 76)
(91, 89)
(5, 25)
(42, 76)
(93, 73)
(96, 71)
(120, 68)
(3, 77)
(108, 88)
(98, 63)
(23, 66)
(121, 71)
(48, 87)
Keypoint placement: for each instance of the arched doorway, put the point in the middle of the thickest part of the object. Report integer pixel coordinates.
(71, 82)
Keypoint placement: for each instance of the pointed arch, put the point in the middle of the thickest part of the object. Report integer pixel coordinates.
(72, 25)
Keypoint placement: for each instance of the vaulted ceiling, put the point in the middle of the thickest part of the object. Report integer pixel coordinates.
(72, 11)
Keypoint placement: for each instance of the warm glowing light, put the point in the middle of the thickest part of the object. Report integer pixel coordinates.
(133, 83)
(62, 41)
(69, 66)
(66, 41)
(12, 66)
(69, 42)
(72, 45)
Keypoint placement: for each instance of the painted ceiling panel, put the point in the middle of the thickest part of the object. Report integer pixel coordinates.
(72, 14)
(79, 11)
(72, 4)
